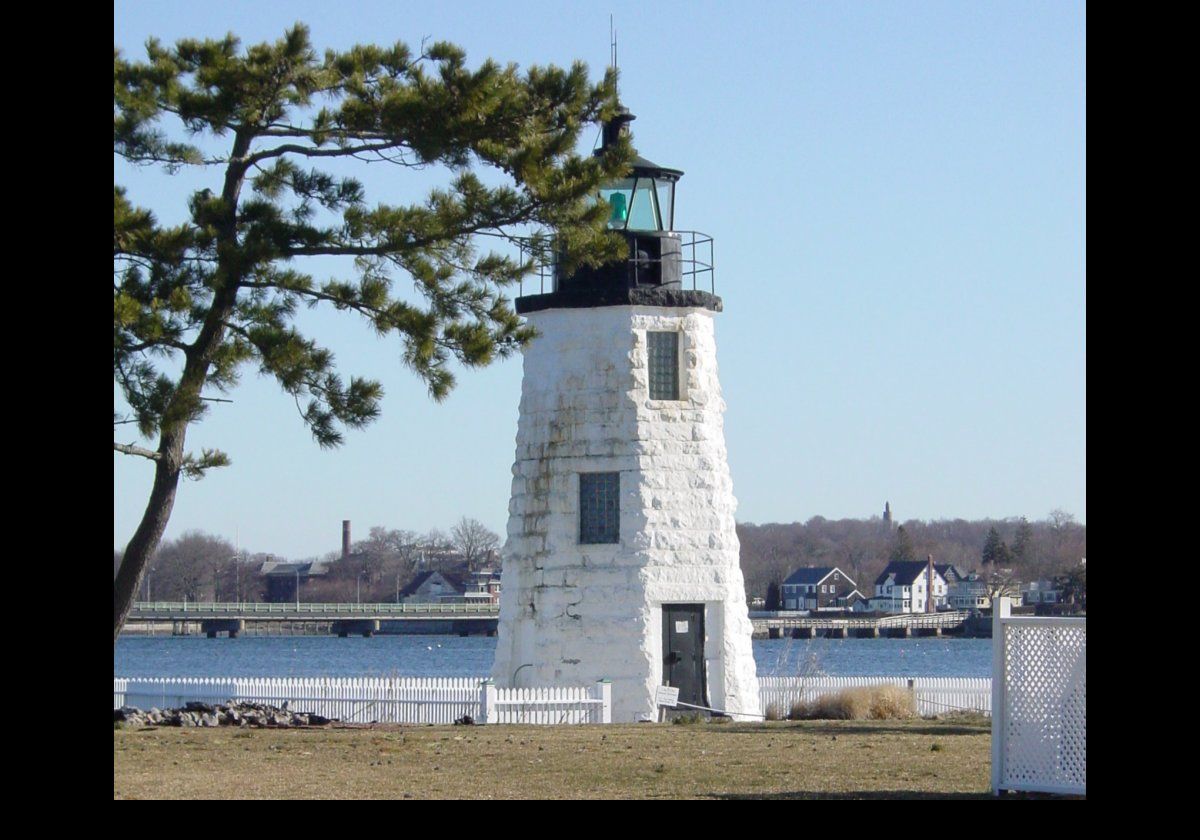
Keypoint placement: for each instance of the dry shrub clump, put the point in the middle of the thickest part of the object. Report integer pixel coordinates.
(876, 702)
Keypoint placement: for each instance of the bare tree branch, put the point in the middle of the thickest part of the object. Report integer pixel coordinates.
(130, 449)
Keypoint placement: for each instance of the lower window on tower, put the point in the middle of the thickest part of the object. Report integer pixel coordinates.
(599, 507)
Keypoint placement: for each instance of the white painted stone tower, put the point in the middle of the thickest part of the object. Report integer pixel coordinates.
(621, 561)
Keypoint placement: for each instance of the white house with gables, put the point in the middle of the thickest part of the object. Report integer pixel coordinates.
(905, 587)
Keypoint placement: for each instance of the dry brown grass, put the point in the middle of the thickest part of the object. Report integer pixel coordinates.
(876, 702)
(787, 759)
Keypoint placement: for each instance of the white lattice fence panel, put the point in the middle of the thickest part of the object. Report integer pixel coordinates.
(1044, 744)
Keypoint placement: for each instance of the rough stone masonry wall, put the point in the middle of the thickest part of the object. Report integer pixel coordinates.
(571, 613)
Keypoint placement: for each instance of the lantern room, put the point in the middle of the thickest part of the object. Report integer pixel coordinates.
(643, 202)
(659, 261)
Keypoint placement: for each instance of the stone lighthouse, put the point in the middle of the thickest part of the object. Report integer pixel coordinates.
(621, 561)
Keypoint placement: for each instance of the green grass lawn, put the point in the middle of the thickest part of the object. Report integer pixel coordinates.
(776, 760)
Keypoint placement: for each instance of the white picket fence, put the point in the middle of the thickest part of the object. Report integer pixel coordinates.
(547, 705)
(1039, 731)
(412, 700)
(933, 695)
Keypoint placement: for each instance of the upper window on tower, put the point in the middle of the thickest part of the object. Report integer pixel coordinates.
(664, 365)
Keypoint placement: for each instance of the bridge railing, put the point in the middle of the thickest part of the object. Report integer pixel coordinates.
(918, 620)
(317, 610)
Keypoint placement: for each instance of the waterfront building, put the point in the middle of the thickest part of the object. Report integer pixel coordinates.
(909, 587)
(818, 588)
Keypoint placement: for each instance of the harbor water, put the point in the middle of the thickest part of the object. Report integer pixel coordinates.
(467, 656)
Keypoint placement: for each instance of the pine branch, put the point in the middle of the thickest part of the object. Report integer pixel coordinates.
(340, 151)
(130, 449)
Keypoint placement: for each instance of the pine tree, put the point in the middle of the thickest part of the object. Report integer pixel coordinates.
(902, 548)
(194, 303)
(1022, 541)
(995, 552)
(773, 600)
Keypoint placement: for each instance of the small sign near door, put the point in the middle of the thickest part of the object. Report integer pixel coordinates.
(666, 696)
(681, 626)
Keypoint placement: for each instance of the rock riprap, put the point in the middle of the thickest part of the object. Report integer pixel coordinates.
(207, 714)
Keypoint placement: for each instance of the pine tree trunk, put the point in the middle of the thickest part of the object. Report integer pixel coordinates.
(150, 530)
(181, 409)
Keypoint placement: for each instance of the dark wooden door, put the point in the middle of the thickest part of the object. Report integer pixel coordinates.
(683, 652)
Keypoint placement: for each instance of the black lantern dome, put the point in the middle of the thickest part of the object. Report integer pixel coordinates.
(642, 208)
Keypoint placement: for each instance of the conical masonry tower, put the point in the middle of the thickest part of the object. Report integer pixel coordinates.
(621, 561)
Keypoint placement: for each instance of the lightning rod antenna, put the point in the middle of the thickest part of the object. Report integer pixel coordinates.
(612, 41)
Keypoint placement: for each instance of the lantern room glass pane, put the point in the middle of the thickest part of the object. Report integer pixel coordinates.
(618, 196)
(643, 214)
(666, 202)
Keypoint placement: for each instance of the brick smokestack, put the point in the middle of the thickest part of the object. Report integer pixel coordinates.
(345, 538)
(929, 605)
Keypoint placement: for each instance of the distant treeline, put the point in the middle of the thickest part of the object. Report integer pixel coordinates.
(204, 567)
(863, 547)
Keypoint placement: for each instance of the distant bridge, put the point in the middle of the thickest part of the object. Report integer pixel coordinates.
(342, 619)
(482, 619)
(776, 625)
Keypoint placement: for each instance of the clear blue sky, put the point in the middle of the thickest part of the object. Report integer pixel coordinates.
(896, 191)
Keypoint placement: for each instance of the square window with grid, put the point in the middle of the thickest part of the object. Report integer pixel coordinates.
(664, 365)
(599, 507)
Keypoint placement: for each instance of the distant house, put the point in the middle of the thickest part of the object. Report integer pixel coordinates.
(855, 600)
(974, 592)
(969, 593)
(950, 573)
(437, 587)
(861, 604)
(817, 588)
(283, 577)
(902, 588)
(483, 586)
(453, 587)
(1041, 592)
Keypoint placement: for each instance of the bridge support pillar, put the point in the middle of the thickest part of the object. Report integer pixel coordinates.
(774, 632)
(211, 627)
(366, 627)
(838, 632)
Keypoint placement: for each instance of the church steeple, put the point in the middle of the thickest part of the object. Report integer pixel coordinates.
(887, 514)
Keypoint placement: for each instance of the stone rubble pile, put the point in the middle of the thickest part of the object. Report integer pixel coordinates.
(238, 713)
